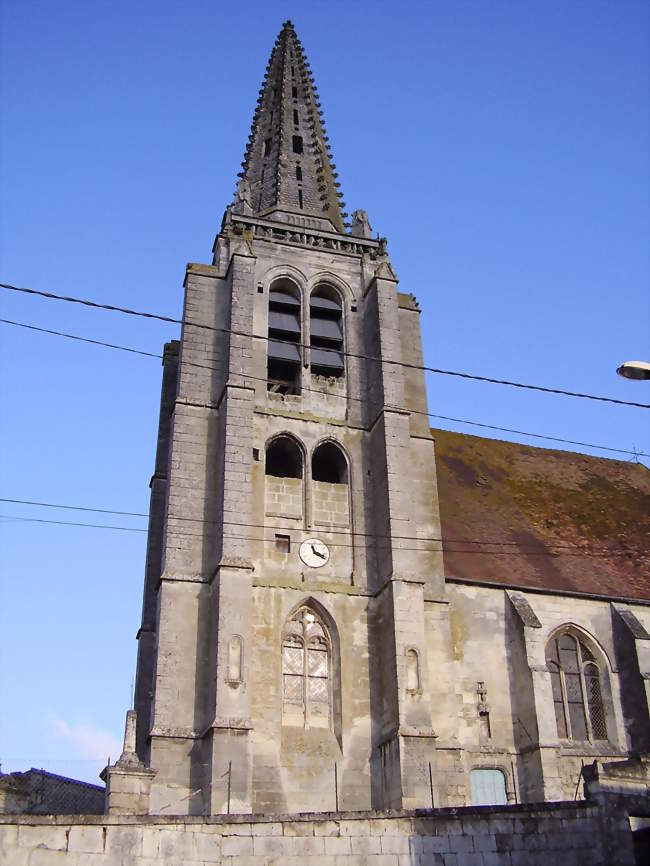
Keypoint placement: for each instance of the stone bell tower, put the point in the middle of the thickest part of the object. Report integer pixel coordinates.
(292, 583)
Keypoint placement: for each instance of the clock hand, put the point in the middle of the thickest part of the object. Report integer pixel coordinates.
(320, 555)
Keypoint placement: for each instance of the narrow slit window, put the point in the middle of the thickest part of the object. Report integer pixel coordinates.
(296, 122)
(484, 724)
(297, 144)
(298, 173)
(412, 671)
(294, 93)
(300, 199)
(267, 147)
(235, 658)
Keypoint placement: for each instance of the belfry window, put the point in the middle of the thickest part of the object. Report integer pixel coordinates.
(576, 684)
(283, 458)
(326, 333)
(328, 464)
(330, 497)
(284, 339)
(306, 667)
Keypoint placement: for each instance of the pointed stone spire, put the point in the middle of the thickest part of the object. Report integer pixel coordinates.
(287, 166)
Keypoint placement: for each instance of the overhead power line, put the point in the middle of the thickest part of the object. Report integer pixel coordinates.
(598, 550)
(80, 339)
(158, 356)
(518, 552)
(185, 322)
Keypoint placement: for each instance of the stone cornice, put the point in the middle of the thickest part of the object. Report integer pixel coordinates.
(302, 236)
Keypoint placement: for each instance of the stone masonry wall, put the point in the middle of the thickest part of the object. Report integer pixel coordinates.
(283, 497)
(565, 834)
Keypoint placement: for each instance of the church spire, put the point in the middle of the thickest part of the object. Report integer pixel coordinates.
(287, 165)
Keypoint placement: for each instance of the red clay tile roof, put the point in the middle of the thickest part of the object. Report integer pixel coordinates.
(561, 521)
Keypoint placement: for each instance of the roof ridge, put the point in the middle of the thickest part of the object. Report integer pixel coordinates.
(60, 778)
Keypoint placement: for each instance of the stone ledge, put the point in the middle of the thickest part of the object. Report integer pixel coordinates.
(517, 810)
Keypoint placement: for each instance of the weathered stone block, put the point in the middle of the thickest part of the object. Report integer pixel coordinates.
(236, 845)
(266, 828)
(395, 844)
(89, 839)
(46, 836)
(271, 846)
(337, 844)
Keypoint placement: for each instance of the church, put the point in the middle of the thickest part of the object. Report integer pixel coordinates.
(343, 608)
(363, 641)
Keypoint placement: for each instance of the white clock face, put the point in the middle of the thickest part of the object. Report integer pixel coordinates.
(314, 553)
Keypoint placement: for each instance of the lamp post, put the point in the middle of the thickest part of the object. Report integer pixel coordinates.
(634, 370)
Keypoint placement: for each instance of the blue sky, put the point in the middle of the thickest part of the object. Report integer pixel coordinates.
(502, 148)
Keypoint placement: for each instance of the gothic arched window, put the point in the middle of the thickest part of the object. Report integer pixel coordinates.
(283, 468)
(326, 332)
(577, 694)
(306, 670)
(328, 464)
(330, 491)
(284, 338)
(283, 458)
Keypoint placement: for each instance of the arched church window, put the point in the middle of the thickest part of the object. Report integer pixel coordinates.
(576, 685)
(283, 458)
(328, 464)
(326, 332)
(284, 333)
(283, 484)
(329, 489)
(306, 670)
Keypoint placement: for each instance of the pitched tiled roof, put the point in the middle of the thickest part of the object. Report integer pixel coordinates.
(545, 519)
(37, 792)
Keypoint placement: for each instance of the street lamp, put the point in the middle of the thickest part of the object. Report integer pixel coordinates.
(634, 370)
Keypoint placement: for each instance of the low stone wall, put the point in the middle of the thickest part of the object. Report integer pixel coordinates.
(558, 834)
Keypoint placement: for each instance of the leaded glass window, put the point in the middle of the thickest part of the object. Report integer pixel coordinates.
(577, 696)
(306, 665)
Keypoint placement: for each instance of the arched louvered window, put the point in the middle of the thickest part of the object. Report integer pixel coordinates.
(285, 333)
(577, 694)
(326, 332)
(306, 670)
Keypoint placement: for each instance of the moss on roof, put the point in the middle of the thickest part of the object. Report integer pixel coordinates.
(544, 518)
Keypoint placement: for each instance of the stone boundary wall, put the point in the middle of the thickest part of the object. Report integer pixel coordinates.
(558, 834)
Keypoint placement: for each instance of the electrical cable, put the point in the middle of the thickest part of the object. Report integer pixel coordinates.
(185, 322)
(601, 550)
(271, 526)
(328, 394)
